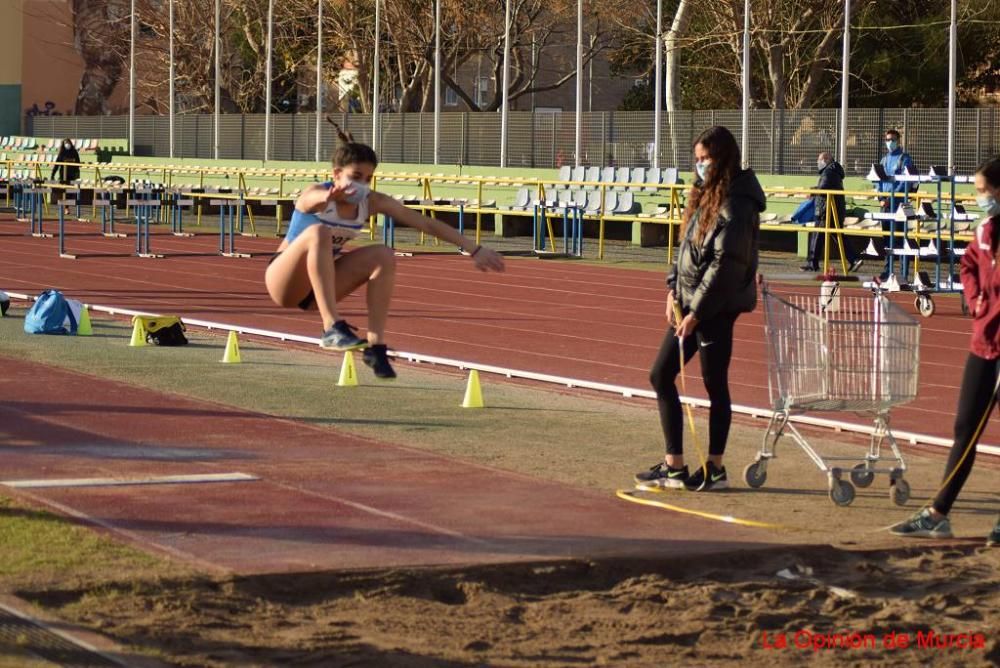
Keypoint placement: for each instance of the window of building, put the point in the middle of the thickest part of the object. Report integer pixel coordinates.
(482, 91)
(450, 97)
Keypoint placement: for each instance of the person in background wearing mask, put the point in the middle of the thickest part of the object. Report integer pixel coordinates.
(311, 271)
(895, 162)
(68, 173)
(713, 281)
(981, 284)
(831, 177)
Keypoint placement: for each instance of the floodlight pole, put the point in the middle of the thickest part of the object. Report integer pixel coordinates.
(378, 36)
(952, 76)
(578, 137)
(170, 20)
(658, 85)
(506, 85)
(131, 82)
(319, 80)
(218, 77)
(746, 84)
(845, 85)
(267, 80)
(437, 81)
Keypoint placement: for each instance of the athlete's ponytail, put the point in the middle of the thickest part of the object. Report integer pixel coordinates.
(349, 151)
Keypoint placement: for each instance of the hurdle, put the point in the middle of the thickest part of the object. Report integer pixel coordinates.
(36, 206)
(105, 201)
(229, 210)
(177, 206)
(572, 230)
(63, 204)
(144, 209)
(17, 187)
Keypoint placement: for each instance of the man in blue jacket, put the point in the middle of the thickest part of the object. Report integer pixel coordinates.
(895, 162)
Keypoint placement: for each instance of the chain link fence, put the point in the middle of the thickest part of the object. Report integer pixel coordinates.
(780, 141)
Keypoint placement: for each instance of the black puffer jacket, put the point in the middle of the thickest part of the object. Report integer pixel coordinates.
(831, 178)
(720, 275)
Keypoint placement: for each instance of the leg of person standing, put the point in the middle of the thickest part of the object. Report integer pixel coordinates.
(715, 350)
(663, 377)
(975, 402)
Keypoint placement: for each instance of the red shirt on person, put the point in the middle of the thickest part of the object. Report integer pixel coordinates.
(981, 281)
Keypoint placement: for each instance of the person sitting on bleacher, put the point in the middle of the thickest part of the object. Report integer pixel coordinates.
(67, 154)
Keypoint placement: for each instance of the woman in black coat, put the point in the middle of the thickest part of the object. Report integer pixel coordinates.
(67, 153)
(710, 285)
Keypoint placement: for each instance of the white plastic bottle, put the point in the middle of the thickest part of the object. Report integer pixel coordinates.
(829, 297)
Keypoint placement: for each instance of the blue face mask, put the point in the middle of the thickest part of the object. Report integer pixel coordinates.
(892, 145)
(701, 168)
(989, 205)
(361, 191)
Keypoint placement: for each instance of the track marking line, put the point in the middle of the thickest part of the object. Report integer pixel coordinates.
(115, 482)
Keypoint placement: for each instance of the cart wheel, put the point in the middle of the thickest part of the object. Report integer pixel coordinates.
(899, 492)
(861, 476)
(924, 305)
(755, 474)
(841, 492)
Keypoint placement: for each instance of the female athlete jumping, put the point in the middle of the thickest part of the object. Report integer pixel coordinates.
(312, 271)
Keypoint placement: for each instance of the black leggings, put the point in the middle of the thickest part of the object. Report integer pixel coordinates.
(713, 340)
(974, 405)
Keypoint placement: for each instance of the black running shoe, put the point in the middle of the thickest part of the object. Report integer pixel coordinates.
(341, 336)
(855, 265)
(378, 359)
(663, 476)
(715, 478)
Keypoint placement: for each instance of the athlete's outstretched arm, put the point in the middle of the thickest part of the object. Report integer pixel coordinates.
(485, 258)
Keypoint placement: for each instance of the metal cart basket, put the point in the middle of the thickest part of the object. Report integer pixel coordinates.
(839, 353)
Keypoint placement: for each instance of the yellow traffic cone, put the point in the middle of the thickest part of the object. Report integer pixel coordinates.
(348, 375)
(473, 393)
(232, 354)
(138, 333)
(84, 328)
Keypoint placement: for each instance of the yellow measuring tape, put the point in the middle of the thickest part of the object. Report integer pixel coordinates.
(968, 448)
(687, 406)
(629, 495)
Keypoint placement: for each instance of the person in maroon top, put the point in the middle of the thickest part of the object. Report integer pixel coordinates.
(981, 285)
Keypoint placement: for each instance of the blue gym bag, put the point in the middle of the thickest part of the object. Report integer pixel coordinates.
(49, 315)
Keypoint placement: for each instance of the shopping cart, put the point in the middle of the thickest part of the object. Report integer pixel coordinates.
(839, 353)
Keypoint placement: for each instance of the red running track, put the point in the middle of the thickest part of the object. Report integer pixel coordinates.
(577, 320)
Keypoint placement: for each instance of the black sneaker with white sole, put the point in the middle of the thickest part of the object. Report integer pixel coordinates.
(707, 478)
(377, 358)
(662, 476)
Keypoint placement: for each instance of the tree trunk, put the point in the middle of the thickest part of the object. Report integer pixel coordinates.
(99, 31)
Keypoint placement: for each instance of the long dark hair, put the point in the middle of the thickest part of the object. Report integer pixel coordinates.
(990, 169)
(707, 196)
(348, 151)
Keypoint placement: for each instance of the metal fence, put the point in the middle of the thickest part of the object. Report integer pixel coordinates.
(781, 142)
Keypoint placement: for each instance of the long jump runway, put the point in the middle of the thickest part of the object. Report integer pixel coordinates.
(579, 321)
(315, 498)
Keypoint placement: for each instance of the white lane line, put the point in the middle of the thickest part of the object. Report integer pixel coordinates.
(115, 482)
(627, 392)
